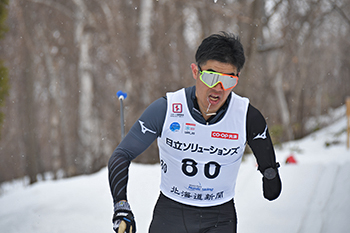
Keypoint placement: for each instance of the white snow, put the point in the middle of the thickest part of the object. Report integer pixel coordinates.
(315, 195)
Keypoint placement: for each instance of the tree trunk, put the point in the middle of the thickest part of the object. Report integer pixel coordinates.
(283, 105)
(88, 124)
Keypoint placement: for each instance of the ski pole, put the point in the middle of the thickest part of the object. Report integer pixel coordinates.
(121, 96)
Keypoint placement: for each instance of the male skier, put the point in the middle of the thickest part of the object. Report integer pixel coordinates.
(202, 132)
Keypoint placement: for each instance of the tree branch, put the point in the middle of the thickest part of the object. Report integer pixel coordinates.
(55, 5)
(341, 12)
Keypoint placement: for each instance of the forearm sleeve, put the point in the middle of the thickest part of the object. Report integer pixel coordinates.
(118, 168)
(259, 139)
(141, 135)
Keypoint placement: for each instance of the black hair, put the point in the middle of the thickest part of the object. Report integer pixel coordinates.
(224, 47)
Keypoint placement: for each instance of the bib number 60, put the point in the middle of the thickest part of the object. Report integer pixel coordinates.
(189, 168)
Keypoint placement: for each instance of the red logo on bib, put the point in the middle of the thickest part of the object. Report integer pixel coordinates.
(224, 135)
(177, 108)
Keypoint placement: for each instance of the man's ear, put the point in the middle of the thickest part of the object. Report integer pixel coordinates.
(195, 70)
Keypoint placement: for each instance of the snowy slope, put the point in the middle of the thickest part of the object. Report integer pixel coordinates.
(315, 195)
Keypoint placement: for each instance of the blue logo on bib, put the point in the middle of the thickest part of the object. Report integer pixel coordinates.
(175, 127)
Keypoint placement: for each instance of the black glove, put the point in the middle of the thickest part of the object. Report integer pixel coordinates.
(272, 184)
(123, 218)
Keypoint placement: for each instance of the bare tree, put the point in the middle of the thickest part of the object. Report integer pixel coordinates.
(67, 59)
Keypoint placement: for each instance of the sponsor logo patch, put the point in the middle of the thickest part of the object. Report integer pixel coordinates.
(261, 135)
(144, 129)
(190, 128)
(199, 187)
(224, 135)
(177, 108)
(175, 127)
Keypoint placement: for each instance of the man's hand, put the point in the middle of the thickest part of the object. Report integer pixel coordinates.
(123, 218)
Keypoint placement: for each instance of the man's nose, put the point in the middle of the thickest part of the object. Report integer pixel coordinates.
(218, 86)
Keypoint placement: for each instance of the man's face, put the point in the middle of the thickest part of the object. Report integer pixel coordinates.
(214, 97)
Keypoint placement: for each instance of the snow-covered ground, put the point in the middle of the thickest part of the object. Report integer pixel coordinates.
(315, 195)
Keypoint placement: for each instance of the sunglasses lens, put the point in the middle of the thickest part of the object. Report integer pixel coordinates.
(212, 79)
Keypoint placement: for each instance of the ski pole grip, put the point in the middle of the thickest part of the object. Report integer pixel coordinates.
(121, 95)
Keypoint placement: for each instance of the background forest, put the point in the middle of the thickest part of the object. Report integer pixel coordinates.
(67, 59)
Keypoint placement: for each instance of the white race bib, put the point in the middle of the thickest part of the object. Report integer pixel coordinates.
(200, 162)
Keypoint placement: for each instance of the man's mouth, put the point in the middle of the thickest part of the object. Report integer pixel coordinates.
(214, 98)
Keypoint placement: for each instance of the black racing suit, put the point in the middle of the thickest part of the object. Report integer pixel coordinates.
(135, 142)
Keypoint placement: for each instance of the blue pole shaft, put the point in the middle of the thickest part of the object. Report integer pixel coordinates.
(122, 117)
